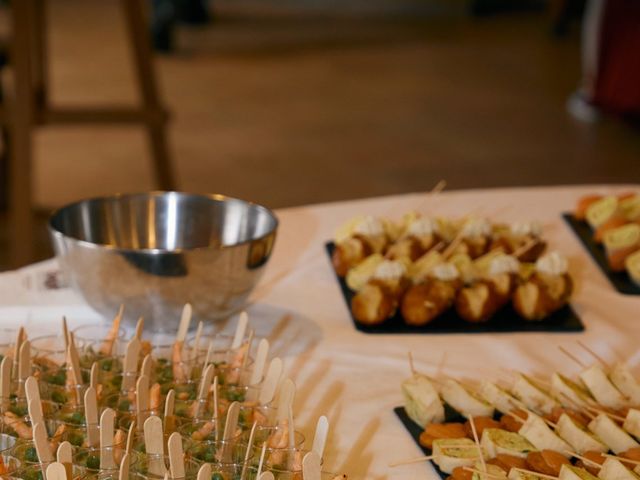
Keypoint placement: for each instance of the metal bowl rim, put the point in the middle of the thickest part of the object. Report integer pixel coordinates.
(160, 251)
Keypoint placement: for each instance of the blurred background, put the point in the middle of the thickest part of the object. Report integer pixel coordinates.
(289, 102)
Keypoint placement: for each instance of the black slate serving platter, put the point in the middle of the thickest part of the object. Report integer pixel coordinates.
(415, 431)
(505, 321)
(620, 280)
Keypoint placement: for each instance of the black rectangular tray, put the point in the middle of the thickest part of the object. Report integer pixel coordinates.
(505, 321)
(620, 280)
(415, 431)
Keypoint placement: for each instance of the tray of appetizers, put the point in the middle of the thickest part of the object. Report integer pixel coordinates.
(609, 228)
(428, 275)
(556, 428)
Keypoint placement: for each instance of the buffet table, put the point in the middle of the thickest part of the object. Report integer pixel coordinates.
(354, 377)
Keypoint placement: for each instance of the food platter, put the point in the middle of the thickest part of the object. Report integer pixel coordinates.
(620, 280)
(505, 321)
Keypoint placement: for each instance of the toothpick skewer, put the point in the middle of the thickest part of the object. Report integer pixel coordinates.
(605, 412)
(622, 459)
(412, 460)
(483, 474)
(571, 356)
(594, 354)
(411, 365)
(537, 474)
(584, 459)
(477, 442)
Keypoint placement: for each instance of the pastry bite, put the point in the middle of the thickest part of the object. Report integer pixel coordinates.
(601, 211)
(378, 299)
(358, 276)
(477, 302)
(393, 275)
(476, 236)
(496, 441)
(426, 301)
(503, 274)
(373, 304)
(408, 248)
(356, 240)
(425, 230)
(349, 253)
(464, 401)
(547, 290)
(611, 434)
(455, 452)
(419, 270)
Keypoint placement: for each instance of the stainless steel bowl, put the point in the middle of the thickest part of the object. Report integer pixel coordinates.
(153, 252)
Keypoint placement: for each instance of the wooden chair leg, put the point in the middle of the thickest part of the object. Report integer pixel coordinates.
(137, 27)
(40, 53)
(21, 107)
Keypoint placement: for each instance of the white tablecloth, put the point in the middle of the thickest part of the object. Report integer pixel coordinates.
(352, 377)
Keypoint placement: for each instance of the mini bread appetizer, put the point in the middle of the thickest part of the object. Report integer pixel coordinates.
(477, 302)
(356, 240)
(503, 275)
(426, 301)
(547, 290)
(349, 253)
(583, 205)
(378, 299)
(476, 237)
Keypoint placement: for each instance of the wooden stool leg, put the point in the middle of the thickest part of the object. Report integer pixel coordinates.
(21, 122)
(137, 27)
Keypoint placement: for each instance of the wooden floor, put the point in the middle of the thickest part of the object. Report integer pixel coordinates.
(288, 110)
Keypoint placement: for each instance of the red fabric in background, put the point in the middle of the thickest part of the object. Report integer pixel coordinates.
(617, 87)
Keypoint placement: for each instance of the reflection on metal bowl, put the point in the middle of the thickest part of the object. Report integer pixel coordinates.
(155, 251)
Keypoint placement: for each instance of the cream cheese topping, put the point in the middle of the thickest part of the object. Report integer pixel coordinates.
(552, 263)
(390, 270)
(445, 272)
(422, 227)
(369, 226)
(504, 264)
(526, 228)
(476, 227)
